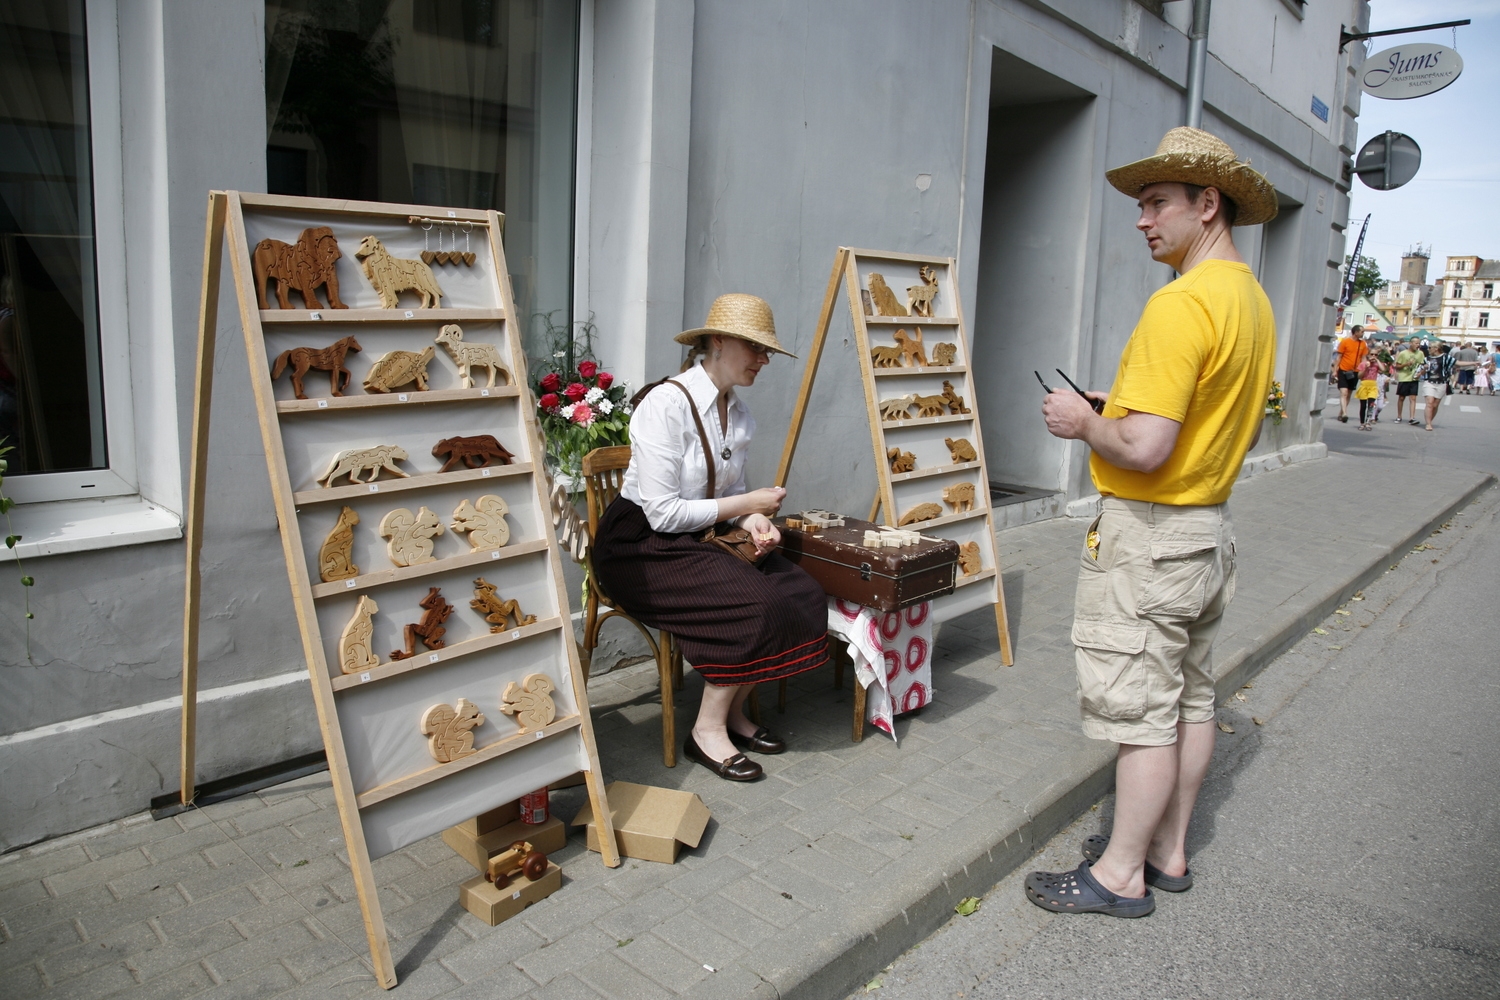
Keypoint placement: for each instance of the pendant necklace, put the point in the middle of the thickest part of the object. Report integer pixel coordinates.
(725, 453)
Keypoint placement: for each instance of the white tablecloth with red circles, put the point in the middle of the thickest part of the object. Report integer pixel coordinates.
(892, 654)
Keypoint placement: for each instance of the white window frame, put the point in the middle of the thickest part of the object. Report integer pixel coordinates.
(118, 478)
(1484, 321)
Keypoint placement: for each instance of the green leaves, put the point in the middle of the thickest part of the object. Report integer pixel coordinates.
(967, 906)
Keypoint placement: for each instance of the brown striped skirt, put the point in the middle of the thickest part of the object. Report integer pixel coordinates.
(736, 623)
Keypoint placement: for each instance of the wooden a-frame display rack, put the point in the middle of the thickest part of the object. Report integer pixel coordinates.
(389, 787)
(922, 437)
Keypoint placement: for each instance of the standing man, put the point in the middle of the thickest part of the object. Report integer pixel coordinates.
(1348, 354)
(1157, 569)
(1466, 360)
(1407, 361)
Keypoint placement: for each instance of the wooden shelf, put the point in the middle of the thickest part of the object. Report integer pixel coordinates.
(902, 477)
(268, 316)
(466, 475)
(498, 748)
(925, 370)
(949, 418)
(964, 581)
(375, 399)
(910, 258)
(911, 321)
(938, 522)
(397, 574)
(429, 657)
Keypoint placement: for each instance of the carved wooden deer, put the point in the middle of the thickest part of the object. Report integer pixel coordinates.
(921, 296)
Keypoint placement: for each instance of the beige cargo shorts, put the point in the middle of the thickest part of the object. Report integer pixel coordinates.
(1153, 583)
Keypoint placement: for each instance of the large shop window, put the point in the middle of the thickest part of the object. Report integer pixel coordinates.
(51, 387)
(465, 103)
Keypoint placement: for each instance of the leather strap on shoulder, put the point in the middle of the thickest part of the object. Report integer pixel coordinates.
(708, 455)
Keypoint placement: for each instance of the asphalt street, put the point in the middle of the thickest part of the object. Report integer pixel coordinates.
(1347, 844)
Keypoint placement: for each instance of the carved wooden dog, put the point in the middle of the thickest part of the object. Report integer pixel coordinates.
(912, 355)
(530, 702)
(898, 407)
(901, 461)
(921, 296)
(396, 368)
(944, 354)
(496, 611)
(961, 449)
(410, 535)
(474, 452)
(450, 730)
(955, 401)
(390, 276)
(484, 520)
(356, 460)
(968, 558)
(885, 299)
(302, 266)
(336, 556)
(959, 496)
(430, 629)
(329, 359)
(885, 357)
(356, 651)
(468, 356)
(931, 406)
(921, 512)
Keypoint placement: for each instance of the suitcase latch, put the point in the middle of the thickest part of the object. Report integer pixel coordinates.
(864, 571)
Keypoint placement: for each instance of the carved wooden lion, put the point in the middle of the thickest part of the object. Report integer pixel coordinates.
(302, 266)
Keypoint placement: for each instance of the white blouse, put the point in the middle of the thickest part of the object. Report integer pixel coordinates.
(667, 476)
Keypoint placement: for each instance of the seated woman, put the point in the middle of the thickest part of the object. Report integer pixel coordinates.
(738, 624)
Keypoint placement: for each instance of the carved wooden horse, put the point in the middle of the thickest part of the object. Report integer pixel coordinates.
(329, 359)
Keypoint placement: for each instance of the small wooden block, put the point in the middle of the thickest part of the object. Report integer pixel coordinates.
(477, 850)
(495, 906)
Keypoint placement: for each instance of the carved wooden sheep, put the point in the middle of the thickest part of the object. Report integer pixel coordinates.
(390, 276)
(468, 356)
(959, 496)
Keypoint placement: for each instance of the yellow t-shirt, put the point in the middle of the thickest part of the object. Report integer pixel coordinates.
(1202, 354)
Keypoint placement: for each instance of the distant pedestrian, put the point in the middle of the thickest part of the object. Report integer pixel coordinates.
(1347, 355)
(1367, 391)
(1437, 374)
(1157, 567)
(1466, 360)
(1407, 363)
(1484, 375)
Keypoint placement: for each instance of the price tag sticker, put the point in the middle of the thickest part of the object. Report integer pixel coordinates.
(484, 392)
(402, 397)
(452, 215)
(364, 676)
(315, 315)
(540, 734)
(516, 634)
(322, 404)
(485, 473)
(495, 554)
(409, 314)
(517, 893)
(433, 658)
(348, 584)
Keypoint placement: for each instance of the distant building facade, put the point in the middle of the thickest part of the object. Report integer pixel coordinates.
(1411, 306)
(1470, 310)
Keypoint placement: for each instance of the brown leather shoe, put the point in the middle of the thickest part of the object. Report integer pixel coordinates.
(736, 768)
(761, 741)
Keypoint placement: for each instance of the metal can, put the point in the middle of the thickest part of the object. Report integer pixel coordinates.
(534, 807)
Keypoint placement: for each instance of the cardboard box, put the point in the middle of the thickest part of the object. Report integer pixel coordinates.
(492, 820)
(650, 823)
(494, 905)
(548, 837)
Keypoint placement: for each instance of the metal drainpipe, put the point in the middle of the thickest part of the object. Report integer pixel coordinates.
(1197, 63)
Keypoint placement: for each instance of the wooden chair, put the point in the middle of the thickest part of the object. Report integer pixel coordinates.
(604, 474)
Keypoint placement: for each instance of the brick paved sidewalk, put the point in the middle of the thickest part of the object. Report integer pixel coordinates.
(842, 857)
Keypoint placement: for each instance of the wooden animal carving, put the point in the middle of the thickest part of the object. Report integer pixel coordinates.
(495, 610)
(484, 520)
(394, 369)
(450, 730)
(356, 460)
(430, 629)
(336, 557)
(931, 406)
(955, 401)
(530, 702)
(897, 407)
(356, 651)
(468, 356)
(302, 266)
(901, 461)
(921, 296)
(968, 558)
(410, 535)
(921, 512)
(474, 452)
(961, 449)
(329, 359)
(944, 354)
(885, 357)
(390, 276)
(885, 299)
(912, 355)
(959, 496)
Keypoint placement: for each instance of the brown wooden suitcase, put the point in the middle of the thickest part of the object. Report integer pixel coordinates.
(886, 579)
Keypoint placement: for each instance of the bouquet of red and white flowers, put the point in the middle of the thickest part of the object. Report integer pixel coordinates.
(580, 409)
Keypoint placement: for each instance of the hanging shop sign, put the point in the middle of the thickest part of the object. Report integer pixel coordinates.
(1412, 70)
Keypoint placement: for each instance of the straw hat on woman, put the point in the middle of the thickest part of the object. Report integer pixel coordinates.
(736, 622)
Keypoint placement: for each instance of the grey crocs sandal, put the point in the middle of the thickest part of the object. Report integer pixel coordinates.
(1093, 850)
(1078, 891)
